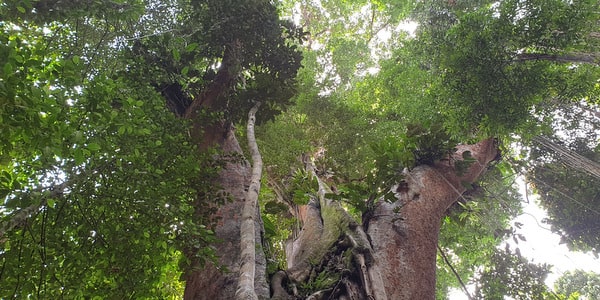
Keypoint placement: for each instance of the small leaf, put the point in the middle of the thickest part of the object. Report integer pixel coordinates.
(51, 202)
(21, 9)
(8, 69)
(191, 47)
(518, 225)
(94, 147)
(176, 54)
(78, 156)
(185, 70)
(18, 58)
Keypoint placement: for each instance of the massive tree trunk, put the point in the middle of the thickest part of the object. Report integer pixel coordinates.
(404, 234)
(392, 255)
(221, 281)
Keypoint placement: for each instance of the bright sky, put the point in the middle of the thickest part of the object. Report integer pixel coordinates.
(542, 246)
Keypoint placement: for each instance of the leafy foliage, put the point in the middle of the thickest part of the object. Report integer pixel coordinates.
(475, 226)
(103, 191)
(487, 87)
(262, 50)
(511, 275)
(570, 197)
(99, 182)
(578, 282)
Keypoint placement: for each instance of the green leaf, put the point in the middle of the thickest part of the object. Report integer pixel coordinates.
(163, 245)
(185, 70)
(78, 156)
(18, 58)
(191, 47)
(8, 69)
(94, 147)
(176, 54)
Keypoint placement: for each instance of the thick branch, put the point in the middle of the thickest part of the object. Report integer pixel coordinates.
(574, 57)
(224, 80)
(404, 234)
(19, 217)
(245, 288)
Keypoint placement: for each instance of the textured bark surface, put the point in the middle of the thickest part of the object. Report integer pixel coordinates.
(392, 256)
(248, 229)
(220, 283)
(404, 233)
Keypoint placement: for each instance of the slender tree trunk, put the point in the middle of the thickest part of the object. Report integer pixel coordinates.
(220, 281)
(247, 232)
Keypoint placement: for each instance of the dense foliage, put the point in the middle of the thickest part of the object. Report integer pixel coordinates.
(103, 186)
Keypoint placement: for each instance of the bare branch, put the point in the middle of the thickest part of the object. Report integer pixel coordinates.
(447, 261)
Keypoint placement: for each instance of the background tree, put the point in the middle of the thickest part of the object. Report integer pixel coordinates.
(583, 283)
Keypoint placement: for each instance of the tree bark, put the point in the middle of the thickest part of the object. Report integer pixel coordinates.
(220, 281)
(391, 256)
(404, 234)
(394, 251)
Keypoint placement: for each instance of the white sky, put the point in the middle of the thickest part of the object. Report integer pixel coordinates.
(542, 246)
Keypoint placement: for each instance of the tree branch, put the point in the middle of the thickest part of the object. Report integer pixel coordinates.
(19, 217)
(462, 284)
(224, 79)
(573, 57)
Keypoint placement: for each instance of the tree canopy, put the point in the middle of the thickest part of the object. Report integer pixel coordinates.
(108, 185)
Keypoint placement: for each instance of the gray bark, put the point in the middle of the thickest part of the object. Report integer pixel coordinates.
(247, 232)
